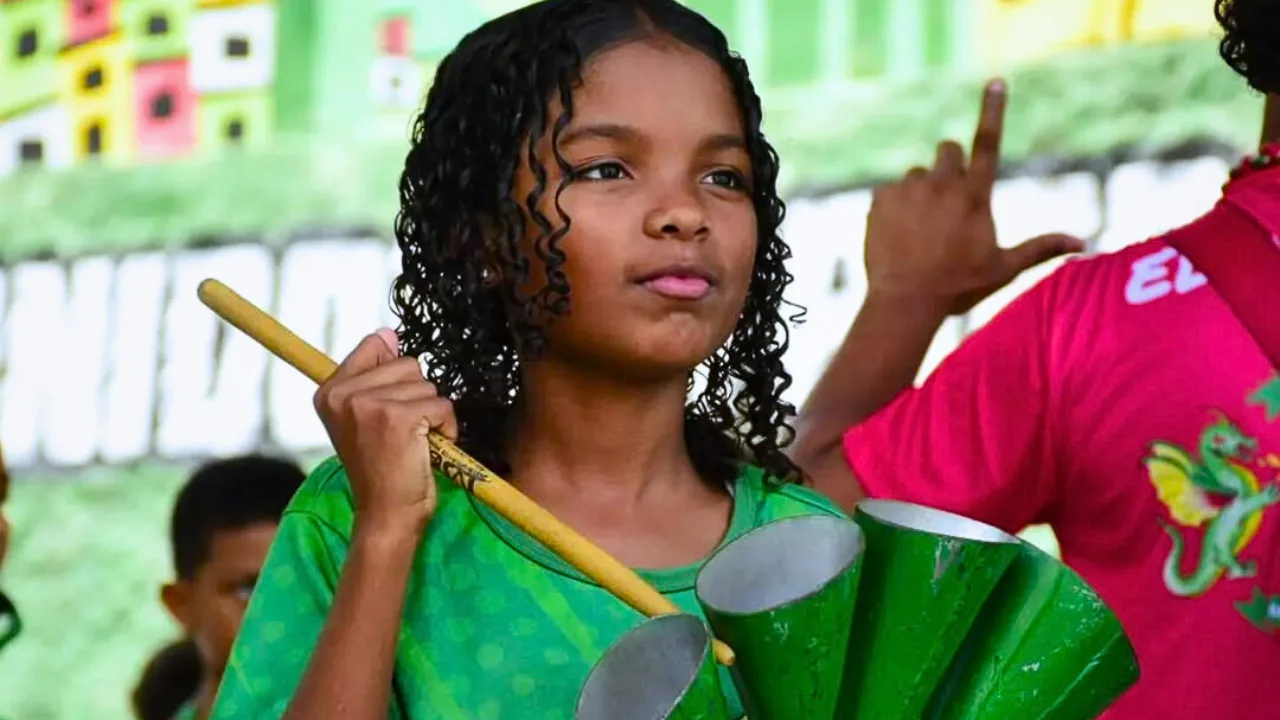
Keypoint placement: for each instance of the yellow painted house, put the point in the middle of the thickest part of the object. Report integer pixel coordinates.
(95, 86)
(1012, 32)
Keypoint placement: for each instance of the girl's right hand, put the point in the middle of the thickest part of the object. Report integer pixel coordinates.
(378, 409)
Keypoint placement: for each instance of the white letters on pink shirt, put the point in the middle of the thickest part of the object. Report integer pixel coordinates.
(1149, 277)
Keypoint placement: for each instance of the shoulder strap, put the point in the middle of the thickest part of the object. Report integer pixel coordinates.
(1241, 264)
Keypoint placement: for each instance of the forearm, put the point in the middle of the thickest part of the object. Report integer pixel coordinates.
(879, 358)
(351, 669)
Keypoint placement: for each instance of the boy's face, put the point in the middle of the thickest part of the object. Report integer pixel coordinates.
(211, 605)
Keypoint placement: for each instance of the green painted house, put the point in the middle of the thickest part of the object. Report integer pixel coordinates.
(156, 29)
(31, 34)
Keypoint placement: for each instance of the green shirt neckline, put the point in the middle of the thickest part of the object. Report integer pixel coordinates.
(746, 503)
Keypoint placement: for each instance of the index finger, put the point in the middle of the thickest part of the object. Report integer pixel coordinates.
(373, 350)
(986, 140)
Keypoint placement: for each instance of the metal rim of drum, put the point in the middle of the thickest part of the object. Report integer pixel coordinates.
(647, 673)
(779, 564)
(920, 518)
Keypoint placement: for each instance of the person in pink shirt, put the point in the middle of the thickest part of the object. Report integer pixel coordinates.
(1120, 401)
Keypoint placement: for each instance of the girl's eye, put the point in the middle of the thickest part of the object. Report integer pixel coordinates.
(728, 179)
(601, 171)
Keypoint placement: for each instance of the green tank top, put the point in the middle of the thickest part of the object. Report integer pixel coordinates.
(495, 626)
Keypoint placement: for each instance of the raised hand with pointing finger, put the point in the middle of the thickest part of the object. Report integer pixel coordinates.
(931, 237)
(931, 251)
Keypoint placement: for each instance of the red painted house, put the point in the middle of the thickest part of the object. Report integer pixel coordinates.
(395, 36)
(88, 19)
(396, 79)
(164, 108)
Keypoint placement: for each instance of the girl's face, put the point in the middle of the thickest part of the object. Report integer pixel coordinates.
(662, 238)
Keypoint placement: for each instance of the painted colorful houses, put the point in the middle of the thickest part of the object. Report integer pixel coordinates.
(34, 127)
(233, 66)
(396, 77)
(133, 80)
(122, 81)
(164, 104)
(95, 81)
(1011, 32)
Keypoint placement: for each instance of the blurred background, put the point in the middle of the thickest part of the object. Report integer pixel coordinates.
(148, 144)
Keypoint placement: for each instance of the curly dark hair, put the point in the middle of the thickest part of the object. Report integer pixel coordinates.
(491, 102)
(1251, 40)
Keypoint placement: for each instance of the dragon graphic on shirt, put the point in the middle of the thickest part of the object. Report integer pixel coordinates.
(1185, 484)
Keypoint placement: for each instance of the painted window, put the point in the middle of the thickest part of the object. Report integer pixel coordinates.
(162, 105)
(939, 25)
(30, 152)
(869, 43)
(28, 43)
(235, 129)
(233, 48)
(237, 47)
(395, 36)
(397, 81)
(93, 78)
(158, 24)
(93, 138)
(795, 42)
(87, 8)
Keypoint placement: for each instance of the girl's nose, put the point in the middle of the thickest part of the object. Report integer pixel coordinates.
(681, 220)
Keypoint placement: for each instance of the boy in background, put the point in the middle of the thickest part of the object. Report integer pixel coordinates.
(223, 524)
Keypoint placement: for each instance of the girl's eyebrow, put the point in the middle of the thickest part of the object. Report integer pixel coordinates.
(724, 141)
(624, 134)
(599, 131)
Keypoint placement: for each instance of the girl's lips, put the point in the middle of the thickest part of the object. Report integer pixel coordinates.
(678, 287)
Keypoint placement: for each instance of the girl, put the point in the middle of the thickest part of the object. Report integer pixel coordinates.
(589, 213)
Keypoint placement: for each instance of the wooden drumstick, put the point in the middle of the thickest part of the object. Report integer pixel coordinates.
(492, 490)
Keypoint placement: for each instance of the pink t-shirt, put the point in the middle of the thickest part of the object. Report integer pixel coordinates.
(1121, 402)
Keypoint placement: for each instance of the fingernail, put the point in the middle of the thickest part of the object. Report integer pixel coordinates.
(392, 340)
(997, 87)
